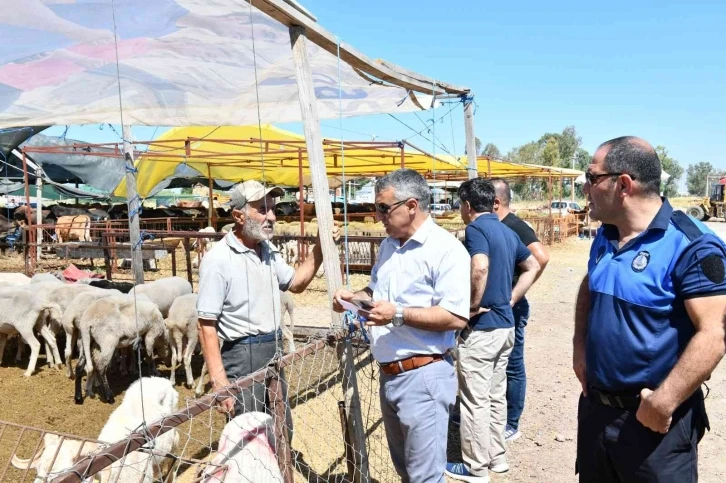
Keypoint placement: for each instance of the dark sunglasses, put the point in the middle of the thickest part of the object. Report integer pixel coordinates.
(384, 209)
(592, 178)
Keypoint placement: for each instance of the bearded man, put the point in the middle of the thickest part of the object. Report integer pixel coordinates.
(240, 280)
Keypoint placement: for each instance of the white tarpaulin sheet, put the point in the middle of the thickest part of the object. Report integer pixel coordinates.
(181, 62)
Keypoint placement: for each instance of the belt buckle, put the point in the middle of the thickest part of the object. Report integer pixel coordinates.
(604, 399)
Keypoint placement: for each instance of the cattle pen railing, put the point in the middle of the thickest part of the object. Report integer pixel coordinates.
(319, 445)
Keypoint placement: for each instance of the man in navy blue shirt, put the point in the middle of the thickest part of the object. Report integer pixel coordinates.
(486, 343)
(649, 325)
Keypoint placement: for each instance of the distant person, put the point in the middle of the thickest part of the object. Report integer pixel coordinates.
(516, 373)
(486, 342)
(649, 325)
(420, 292)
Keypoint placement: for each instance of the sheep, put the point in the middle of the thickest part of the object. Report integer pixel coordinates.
(246, 452)
(22, 312)
(113, 322)
(72, 314)
(45, 277)
(163, 292)
(146, 401)
(182, 322)
(15, 278)
(56, 455)
(202, 246)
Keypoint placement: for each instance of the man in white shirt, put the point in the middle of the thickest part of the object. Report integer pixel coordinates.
(420, 291)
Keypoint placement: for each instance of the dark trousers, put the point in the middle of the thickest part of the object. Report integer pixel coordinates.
(516, 374)
(241, 358)
(613, 446)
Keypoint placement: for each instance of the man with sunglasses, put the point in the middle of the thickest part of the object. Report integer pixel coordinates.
(649, 325)
(420, 292)
(240, 280)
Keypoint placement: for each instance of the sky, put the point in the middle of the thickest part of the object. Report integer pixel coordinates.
(651, 69)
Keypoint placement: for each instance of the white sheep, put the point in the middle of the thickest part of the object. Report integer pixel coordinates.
(146, 401)
(163, 291)
(45, 278)
(202, 246)
(246, 452)
(113, 322)
(15, 278)
(181, 323)
(72, 315)
(23, 312)
(55, 456)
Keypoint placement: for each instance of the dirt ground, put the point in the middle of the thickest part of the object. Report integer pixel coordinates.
(46, 399)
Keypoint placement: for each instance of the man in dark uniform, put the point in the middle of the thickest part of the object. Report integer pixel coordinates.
(516, 374)
(649, 325)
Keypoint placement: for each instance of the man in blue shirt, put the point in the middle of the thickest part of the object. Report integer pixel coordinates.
(486, 343)
(649, 325)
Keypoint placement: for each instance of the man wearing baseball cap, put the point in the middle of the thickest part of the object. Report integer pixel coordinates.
(240, 280)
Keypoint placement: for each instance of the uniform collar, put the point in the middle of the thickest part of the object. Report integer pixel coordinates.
(422, 233)
(660, 221)
(237, 246)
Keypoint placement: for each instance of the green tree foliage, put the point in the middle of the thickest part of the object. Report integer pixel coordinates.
(526, 153)
(477, 144)
(696, 178)
(568, 142)
(492, 151)
(582, 159)
(673, 168)
(551, 152)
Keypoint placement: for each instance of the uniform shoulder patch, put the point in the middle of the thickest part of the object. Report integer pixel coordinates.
(640, 261)
(713, 268)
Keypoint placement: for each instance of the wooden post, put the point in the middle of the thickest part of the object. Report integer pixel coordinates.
(403, 156)
(134, 203)
(300, 257)
(188, 257)
(572, 189)
(211, 212)
(331, 261)
(471, 153)
(38, 209)
(30, 258)
(562, 189)
(549, 193)
(278, 406)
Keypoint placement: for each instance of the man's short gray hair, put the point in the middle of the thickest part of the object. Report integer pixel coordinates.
(406, 183)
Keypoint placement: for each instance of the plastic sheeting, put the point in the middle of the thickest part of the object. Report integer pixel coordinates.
(181, 63)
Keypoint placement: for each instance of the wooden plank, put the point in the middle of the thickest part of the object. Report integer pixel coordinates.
(386, 71)
(471, 153)
(211, 211)
(331, 260)
(38, 208)
(134, 203)
(282, 442)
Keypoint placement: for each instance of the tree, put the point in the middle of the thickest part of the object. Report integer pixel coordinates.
(492, 151)
(568, 143)
(696, 178)
(673, 168)
(551, 152)
(477, 144)
(526, 153)
(582, 159)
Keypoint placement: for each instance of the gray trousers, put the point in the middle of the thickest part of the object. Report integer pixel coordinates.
(240, 359)
(415, 407)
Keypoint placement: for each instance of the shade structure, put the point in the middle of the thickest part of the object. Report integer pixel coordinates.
(171, 63)
(273, 156)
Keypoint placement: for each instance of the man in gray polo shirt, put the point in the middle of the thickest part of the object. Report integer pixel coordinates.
(420, 291)
(240, 280)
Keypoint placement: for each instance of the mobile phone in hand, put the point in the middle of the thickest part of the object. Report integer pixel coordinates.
(364, 304)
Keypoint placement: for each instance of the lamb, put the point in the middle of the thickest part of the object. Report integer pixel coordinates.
(182, 322)
(246, 452)
(56, 455)
(22, 312)
(163, 292)
(45, 277)
(113, 322)
(157, 399)
(15, 278)
(72, 314)
(202, 246)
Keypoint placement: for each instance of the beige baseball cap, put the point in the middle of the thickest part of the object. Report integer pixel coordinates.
(250, 191)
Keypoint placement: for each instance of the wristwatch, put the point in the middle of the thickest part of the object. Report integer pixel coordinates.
(398, 318)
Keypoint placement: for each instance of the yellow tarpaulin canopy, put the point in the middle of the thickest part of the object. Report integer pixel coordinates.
(504, 169)
(272, 155)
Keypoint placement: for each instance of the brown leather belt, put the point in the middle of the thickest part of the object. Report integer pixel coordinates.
(405, 365)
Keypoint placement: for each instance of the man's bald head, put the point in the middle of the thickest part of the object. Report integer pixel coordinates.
(501, 191)
(634, 156)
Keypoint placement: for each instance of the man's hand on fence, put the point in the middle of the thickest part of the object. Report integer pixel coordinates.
(342, 294)
(225, 406)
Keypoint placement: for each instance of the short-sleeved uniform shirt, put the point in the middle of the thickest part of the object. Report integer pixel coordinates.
(488, 236)
(430, 269)
(638, 325)
(241, 290)
(525, 233)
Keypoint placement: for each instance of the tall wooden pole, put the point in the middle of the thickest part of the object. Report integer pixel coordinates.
(211, 211)
(134, 204)
(471, 138)
(331, 260)
(30, 238)
(403, 156)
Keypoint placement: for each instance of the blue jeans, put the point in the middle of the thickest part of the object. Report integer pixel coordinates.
(415, 407)
(516, 374)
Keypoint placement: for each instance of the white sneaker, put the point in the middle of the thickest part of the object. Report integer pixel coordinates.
(502, 467)
(511, 434)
